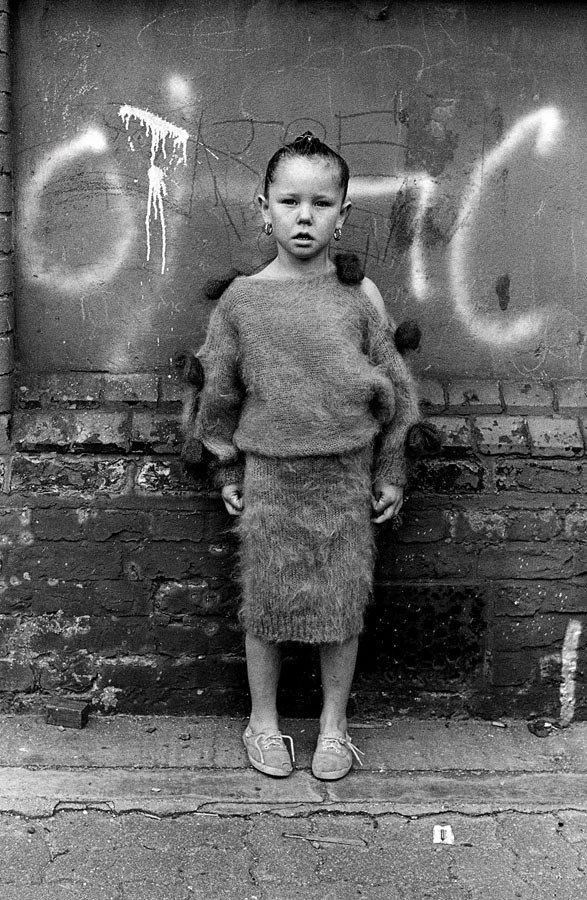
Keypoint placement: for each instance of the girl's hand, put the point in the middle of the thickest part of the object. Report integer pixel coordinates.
(387, 502)
(232, 498)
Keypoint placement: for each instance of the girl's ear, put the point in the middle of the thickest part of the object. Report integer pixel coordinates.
(264, 205)
(344, 213)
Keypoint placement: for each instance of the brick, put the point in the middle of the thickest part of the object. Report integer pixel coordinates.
(6, 274)
(422, 526)
(479, 525)
(181, 599)
(532, 525)
(212, 686)
(56, 560)
(580, 562)
(513, 668)
(62, 388)
(442, 560)
(572, 395)
(455, 432)
(15, 676)
(554, 476)
(555, 437)
(70, 430)
(15, 528)
(4, 30)
(9, 625)
(6, 314)
(5, 112)
(6, 245)
(198, 637)
(526, 562)
(5, 444)
(522, 397)
(443, 477)
(67, 713)
(67, 476)
(5, 193)
(155, 432)
(6, 354)
(5, 151)
(521, 634)
(5, 74)
(131, 388)
(501, 435)
(116, 524)
(165, 477)
(5, 407)
(431, 394)
(575, 525)
(171, 389)
(157, 559)
(86, 598)
(473, 397)
(531, 597)
(173, 525)
(58, 524)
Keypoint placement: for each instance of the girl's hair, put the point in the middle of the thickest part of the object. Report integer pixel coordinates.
(307, 145)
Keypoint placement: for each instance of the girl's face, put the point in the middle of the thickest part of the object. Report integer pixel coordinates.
(305, 205)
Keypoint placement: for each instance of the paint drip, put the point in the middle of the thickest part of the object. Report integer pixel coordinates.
(161, 133)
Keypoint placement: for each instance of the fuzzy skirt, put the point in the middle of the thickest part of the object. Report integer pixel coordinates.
(306, 547)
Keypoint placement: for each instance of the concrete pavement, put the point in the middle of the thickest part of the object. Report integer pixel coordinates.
(133, 808)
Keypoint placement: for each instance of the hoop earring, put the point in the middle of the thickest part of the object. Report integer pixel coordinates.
(268, 228)
(337, 234)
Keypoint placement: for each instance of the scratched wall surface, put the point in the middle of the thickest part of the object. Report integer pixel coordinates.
(142, 131)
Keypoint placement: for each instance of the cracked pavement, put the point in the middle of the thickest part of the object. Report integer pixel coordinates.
(133, 808)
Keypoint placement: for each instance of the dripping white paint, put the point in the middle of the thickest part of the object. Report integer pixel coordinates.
(161, 132)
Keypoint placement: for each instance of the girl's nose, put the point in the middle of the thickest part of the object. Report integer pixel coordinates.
(304, 213)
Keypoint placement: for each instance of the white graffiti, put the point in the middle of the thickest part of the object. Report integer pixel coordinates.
(160, 131)
(569, 671)
(545, 123)
(168, 148)
(361, 187)
(70, 279)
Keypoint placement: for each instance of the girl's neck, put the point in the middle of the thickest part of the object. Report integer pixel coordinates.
(285, 267)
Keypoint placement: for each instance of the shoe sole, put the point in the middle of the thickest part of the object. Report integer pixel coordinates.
(331, 776)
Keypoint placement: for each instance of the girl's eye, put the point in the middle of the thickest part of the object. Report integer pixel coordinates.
(289, 201)
(322, 203)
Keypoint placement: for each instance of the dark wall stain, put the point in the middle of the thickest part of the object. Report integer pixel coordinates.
(502, 289)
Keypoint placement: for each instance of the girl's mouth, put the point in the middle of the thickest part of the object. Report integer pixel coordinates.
(303, 237)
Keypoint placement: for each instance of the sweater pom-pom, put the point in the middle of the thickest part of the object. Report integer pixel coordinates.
(215, 287)
(191, 369)
(348, 268)
(423, 439)
(407, 336)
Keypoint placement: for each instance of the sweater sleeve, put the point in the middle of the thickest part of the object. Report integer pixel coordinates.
(390, 456)
(222, 396)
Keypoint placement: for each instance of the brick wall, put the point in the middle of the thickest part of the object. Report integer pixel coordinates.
(117, 565)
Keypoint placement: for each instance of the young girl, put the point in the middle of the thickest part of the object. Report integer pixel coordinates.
(306, 406)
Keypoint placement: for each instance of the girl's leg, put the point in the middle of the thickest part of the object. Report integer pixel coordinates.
(337, 663)
(263, 667)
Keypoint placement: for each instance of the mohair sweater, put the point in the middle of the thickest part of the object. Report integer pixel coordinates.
(303, 367)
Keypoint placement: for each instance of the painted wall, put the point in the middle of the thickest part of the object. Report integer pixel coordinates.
(142, 131)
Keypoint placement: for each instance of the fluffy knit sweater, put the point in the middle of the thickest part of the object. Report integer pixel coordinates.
(302, 367)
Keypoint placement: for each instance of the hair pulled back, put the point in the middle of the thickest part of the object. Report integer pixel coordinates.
(307, 145)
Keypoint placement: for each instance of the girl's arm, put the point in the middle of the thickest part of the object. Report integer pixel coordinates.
(390, 458)
(221, 398)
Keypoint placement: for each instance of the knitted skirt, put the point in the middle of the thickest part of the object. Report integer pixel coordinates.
(306, 545)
